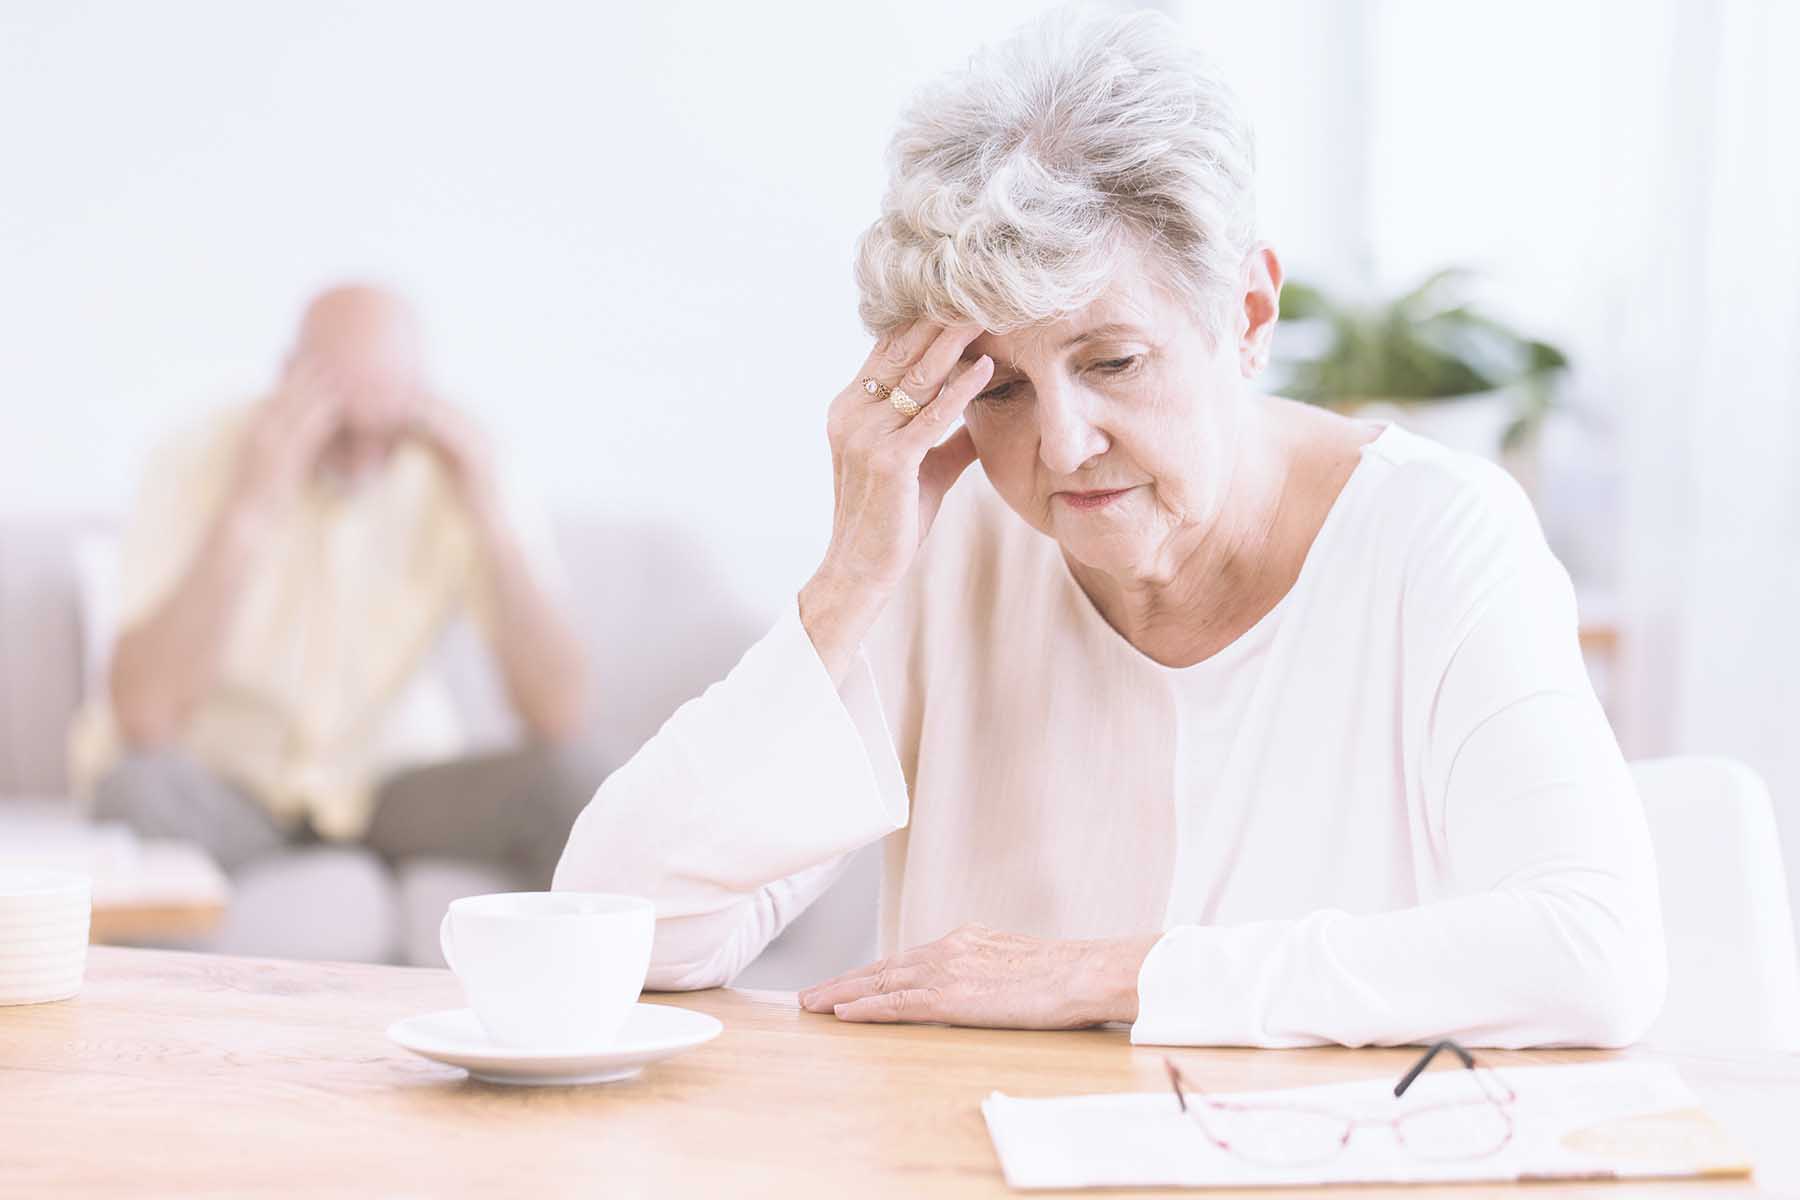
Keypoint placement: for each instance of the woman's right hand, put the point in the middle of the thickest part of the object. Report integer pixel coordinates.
(890, 475)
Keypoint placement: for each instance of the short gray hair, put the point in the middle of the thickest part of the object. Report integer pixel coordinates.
(1015, 182)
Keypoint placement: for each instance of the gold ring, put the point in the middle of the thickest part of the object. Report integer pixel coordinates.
(875, 387)
(903, 404)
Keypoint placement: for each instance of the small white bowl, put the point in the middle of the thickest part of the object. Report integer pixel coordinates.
(49, 918)
(42, 992)
(44, 917)
(68, 965)
(68, 948)
(72, 961)
(60, 923)
(38, 967)
(72, 925)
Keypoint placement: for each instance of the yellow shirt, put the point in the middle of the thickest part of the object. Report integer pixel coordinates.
(324, 684)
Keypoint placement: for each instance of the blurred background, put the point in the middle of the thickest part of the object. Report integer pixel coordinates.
(629, 230)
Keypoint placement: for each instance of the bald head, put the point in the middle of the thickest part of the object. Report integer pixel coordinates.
(365, 341)
(356, 316)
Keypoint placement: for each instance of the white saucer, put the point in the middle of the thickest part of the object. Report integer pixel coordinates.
(651, 1032)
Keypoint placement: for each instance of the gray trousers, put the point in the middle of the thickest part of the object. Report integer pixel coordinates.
(513, 808)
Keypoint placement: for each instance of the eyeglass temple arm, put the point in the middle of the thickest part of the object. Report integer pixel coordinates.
(1418, 1068)
(1175, 1082)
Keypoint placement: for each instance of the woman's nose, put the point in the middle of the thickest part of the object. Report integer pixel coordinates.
(1067, 434)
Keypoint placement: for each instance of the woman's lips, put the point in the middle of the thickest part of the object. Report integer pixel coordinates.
(1088, 501)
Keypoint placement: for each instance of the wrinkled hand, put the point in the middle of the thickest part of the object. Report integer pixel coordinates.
(889, 475)
(890, 472)
(982, 977)
(286, 437)
(463, 448)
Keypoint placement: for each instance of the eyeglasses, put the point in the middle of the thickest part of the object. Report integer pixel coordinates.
(1281, 1135)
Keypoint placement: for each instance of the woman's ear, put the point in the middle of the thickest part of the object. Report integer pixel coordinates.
(1262, 306)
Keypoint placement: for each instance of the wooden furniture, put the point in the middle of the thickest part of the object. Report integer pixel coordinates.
(182, 1074)
(174, 892)
(154, 890)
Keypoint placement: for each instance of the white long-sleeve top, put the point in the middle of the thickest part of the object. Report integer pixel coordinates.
(1392, 811)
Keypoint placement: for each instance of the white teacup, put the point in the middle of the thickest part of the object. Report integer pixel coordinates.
(550, 970)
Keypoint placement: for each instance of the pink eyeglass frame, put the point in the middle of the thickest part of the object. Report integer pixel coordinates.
(1501, 1102)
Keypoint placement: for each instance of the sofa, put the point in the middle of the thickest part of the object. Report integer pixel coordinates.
(660, 621)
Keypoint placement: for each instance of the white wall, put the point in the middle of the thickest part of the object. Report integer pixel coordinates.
(629, 227)
(1520, 139)
(1715, 499)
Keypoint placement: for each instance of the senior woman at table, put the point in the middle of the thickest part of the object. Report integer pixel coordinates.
(1195, 708)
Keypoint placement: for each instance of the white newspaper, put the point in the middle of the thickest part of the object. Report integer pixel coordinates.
(1614, 1120)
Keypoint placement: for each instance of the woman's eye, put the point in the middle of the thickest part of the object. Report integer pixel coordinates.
(1118, 366)
(996, 395)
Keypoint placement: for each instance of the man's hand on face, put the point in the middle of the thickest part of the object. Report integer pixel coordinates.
(463, 448)
(288, 434)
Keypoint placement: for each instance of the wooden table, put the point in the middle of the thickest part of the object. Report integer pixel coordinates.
(195, 1074)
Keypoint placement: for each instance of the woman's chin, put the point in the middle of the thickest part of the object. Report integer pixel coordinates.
(1114, 552)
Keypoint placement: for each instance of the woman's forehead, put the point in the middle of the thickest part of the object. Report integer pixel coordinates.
(1128, 308)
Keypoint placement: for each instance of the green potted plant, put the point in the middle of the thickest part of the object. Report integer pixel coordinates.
(1425, 358)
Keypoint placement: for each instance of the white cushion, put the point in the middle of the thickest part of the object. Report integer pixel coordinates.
(333, 903)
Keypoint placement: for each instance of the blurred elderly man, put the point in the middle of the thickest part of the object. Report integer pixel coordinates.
(286, 581)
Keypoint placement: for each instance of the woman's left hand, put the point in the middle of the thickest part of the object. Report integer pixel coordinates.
(980, 976)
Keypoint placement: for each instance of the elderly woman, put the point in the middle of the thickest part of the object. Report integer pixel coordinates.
(1194, 708)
